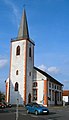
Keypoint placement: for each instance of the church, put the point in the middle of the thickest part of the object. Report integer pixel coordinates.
(26, 82)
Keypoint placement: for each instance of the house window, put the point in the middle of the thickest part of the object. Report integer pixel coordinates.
(50, 94)
(49, 84)
(52, 85)
(17, 72)
(16, 86)
(60, 87)
(18, 50)
(30, 52)
(55, 86)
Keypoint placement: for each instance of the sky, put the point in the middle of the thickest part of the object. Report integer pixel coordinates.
(48, 23)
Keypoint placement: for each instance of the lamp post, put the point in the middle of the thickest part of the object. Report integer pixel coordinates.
(17, 100)
(17, 109)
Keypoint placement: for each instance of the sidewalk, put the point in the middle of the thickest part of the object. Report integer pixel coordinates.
(58, 107)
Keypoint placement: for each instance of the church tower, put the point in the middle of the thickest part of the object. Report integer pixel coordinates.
(21, 65)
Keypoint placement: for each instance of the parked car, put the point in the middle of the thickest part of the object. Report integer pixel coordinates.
(2, 105)
(36, 108)
(7, 104)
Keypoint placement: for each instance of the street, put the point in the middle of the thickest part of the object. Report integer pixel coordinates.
(56, 113)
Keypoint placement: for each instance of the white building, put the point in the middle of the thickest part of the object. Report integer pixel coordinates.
(66, 96)
(26, 82)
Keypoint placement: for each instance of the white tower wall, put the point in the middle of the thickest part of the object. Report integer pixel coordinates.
(19, 62)
(30, 65)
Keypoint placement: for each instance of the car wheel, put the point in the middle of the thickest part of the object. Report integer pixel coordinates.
(36, 112)
(28, 111)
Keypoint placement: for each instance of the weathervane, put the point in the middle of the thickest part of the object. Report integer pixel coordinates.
(24, 5)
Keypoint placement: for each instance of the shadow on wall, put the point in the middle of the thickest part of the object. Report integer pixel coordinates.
(15, 94)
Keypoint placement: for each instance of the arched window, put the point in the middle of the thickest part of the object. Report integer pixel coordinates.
(16, 86)
(17, 72)
(18, 50)
(30, 52)
(29, 73)
(35, 84)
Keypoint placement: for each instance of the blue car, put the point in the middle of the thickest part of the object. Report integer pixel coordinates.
(36, 108)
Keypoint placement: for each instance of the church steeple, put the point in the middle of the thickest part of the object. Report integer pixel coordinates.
(23, 29)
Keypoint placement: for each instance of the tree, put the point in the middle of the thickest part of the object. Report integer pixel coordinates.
(2, 96)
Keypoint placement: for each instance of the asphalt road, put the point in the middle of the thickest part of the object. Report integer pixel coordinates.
(56, 113)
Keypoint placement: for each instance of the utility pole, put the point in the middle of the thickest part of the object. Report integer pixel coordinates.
(17, 109)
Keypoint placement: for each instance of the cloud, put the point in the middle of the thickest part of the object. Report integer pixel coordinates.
(42, 67)
(66, 81)
(15, 12)
(3, 62)
(53, 70)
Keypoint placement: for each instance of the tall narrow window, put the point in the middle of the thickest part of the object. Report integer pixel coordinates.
(30, 52)
(34, 94)
(18, 50)
(35, 84)
(16, 86)
(29, 73)
(17, 72)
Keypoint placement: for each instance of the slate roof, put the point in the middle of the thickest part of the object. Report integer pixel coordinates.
(23, 29)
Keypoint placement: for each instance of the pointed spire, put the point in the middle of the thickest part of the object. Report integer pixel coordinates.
(23, 29)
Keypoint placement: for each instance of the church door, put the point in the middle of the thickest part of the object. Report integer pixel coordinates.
(29, 98)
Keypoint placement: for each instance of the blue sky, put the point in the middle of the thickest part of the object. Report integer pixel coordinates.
(48, 22)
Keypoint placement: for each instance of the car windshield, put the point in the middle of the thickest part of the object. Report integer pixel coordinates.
(35, 105)
(38, 105)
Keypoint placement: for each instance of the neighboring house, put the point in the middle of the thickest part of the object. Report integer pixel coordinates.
(26, 82)
(66, 96)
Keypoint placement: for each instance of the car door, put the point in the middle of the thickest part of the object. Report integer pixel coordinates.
(33, 108)
(30, 108)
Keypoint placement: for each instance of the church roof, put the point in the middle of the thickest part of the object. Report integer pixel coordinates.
(23, 33)
(48, 76)
(23, 29)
